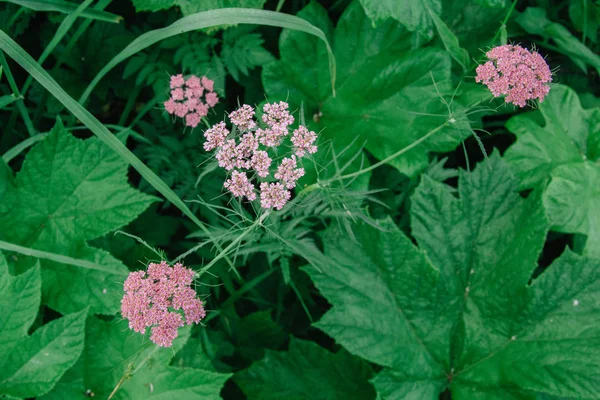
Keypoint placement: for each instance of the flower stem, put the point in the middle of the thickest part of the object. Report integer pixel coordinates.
(225, 251)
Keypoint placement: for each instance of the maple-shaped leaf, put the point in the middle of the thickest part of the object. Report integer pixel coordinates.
(114, 356)
(69, 191)
(31, 365)
(307, 371)
(458, 311)
(384, 88)
(557, 148)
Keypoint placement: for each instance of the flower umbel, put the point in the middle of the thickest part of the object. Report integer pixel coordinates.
(186, 98)
(254, 148)
(153, 297)
(515, 72)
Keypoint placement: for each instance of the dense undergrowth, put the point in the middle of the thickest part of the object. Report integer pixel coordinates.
(373, 223)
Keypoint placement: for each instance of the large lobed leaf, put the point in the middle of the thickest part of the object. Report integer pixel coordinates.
(115, 356)
(557, 148)
(69, 191)
(384, 85)
(458, 311)
(31, 365)
(307, 371)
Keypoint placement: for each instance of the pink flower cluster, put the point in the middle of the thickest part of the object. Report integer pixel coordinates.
(152, 298)
(249, 151)
(516, 72)
(186, 98)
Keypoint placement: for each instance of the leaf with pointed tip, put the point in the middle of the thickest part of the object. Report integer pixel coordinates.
(37, 362)
(459, 312)
(559, 144)
(69, 191)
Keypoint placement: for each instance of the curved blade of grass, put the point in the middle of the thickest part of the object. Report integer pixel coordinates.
(15, 151)
(65, 8)
(206, 19)
(17, 53)
(59, 258)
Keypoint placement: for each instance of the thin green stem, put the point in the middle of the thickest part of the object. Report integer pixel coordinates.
(20, 104)
(393, 156)
(58, 258)
(279, 5)
(506, 18)
(234, 243)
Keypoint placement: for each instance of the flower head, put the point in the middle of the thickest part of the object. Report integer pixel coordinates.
(515, 72)
(153, 297)
(303, 141)
(277, 116)
(273, 195)
(243, 118)
(186, 98)
(215, 136)
(288, 173)
(240, 186)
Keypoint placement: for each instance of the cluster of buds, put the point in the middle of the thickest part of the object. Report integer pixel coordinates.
(153, 297)
(248, 152)
(187, 95)
(515, 72)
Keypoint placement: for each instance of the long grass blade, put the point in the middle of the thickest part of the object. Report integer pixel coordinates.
(17, 53)
(206, 19)
(65, 8)
(59, 258)
(62, 30)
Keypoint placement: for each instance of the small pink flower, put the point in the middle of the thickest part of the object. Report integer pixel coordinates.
(273, 195)
(193, 92)
(288, 172)
(170, 106)
(515, 72)
(269, 137)
(177, 94)
(208, 83)
(240, 186)
(261, 162)
(215, 136)
(276, 115)
(243, 118)
(153, 297)
(177, 81)
(181, 110)
(227, 156)
(192, 120)
(193, 82)
(202, 109)
(211, 99)
(303, 140)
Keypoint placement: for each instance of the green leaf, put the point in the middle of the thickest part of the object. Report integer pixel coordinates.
(20, 298)
(573, 201)
(412, 14)
(36, 363)
(382, 88)
(69, 191)
(535, 22)
(459, 312)
(450, 41)
(152, 5)
(558, 143)
(113, 352)
(306, 371)
(243, 51)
